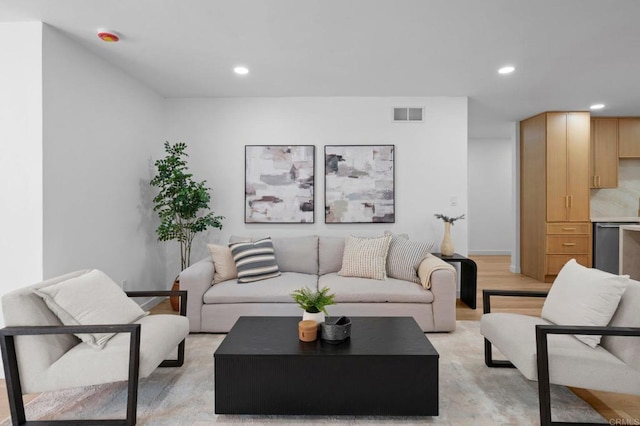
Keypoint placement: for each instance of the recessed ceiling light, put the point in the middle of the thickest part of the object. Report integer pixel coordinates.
(597, 106)
(240, 70)
(507, 70)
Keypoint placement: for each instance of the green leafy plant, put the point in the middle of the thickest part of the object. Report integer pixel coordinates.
(181, 201)
(313, 301)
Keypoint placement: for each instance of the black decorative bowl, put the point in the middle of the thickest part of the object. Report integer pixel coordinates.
(336, 331)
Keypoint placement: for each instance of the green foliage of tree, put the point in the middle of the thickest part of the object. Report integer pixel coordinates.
(313, 301)
(180, 201)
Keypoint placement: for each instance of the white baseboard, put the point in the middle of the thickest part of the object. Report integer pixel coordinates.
(489, 253)
(514, 269)
(151, 303)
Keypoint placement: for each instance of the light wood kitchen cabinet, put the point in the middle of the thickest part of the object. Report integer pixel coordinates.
(554, 192)
(568, 166)
(629, 137)
(604, 153)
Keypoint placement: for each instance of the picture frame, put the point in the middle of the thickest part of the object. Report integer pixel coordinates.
(359, 183)
(279, 184)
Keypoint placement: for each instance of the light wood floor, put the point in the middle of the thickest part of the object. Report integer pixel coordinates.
(493, 273)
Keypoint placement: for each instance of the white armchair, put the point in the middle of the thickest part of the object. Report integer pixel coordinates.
(41, 354)
(550, 352)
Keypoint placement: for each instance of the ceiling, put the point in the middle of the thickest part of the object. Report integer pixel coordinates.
(568, 54)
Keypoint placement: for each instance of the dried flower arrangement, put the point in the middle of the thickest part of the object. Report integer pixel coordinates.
(447, 218)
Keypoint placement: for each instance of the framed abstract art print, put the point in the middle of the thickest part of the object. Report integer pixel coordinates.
(279, 183)
(359, 184)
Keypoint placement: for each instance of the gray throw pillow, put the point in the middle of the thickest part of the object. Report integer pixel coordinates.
(404, 258)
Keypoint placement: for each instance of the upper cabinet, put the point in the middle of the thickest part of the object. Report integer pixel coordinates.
(567, 167)
(629, 137)
(604, 153)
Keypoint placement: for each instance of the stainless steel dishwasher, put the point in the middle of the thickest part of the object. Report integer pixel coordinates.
(606, 245)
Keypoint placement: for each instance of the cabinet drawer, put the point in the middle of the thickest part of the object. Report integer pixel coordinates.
(569, 228)
(567, 244)
(555, 262)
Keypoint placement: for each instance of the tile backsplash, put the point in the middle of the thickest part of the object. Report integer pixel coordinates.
(624, 200)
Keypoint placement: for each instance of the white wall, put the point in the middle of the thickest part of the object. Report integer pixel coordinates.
(21, 155)
(491, 196)
(431, 157)
(101, 129)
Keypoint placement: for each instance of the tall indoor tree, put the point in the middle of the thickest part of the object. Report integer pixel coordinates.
(182, 203)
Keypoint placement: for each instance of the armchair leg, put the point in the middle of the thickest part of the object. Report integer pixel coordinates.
(14, 388)
(488, 358)
(544, 388)
(175, 362)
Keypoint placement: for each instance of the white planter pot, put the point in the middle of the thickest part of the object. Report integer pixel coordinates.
(317, 317)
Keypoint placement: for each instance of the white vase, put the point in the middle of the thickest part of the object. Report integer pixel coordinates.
(317, 317)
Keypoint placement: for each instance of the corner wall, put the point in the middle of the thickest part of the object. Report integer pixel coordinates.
(21, 160)
(101, 129)
(430, 161)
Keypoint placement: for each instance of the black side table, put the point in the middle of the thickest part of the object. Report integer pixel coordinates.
(468, 277)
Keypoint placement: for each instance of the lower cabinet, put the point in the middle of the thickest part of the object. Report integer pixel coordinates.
(565, 241)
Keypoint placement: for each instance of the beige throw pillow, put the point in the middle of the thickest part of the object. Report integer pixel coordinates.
(365, 257)
(223, 263)
(92, 298)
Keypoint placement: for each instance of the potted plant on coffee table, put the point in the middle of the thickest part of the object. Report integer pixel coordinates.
(313, 302)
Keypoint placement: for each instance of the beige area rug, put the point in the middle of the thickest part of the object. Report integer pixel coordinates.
(470, 393)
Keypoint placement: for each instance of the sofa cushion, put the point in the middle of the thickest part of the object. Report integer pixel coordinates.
(330, 252)
(365, 257)
(272, 290)
(255, 261)
(91, 298)
(405, 256)
(297, 254)
(584, 296)
(353, 289)
(571, 362)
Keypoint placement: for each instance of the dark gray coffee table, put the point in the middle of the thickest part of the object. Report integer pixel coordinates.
(387, 367)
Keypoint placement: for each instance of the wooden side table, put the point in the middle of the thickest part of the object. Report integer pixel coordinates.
(468, 277)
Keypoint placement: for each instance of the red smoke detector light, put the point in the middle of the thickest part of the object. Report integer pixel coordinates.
(108, 36)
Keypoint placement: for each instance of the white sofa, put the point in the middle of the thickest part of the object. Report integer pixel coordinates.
(313, 261)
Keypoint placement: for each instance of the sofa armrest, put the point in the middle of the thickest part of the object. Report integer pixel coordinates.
(486, 296)
(196, 280)
(443, 287)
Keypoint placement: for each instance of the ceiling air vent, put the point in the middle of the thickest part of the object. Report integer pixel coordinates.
(408, 114)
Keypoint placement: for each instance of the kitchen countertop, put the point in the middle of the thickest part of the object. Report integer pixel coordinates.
(616, 219)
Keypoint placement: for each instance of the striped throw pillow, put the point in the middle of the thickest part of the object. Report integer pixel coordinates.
(255, 261)
(405, 257)
(365, 257)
